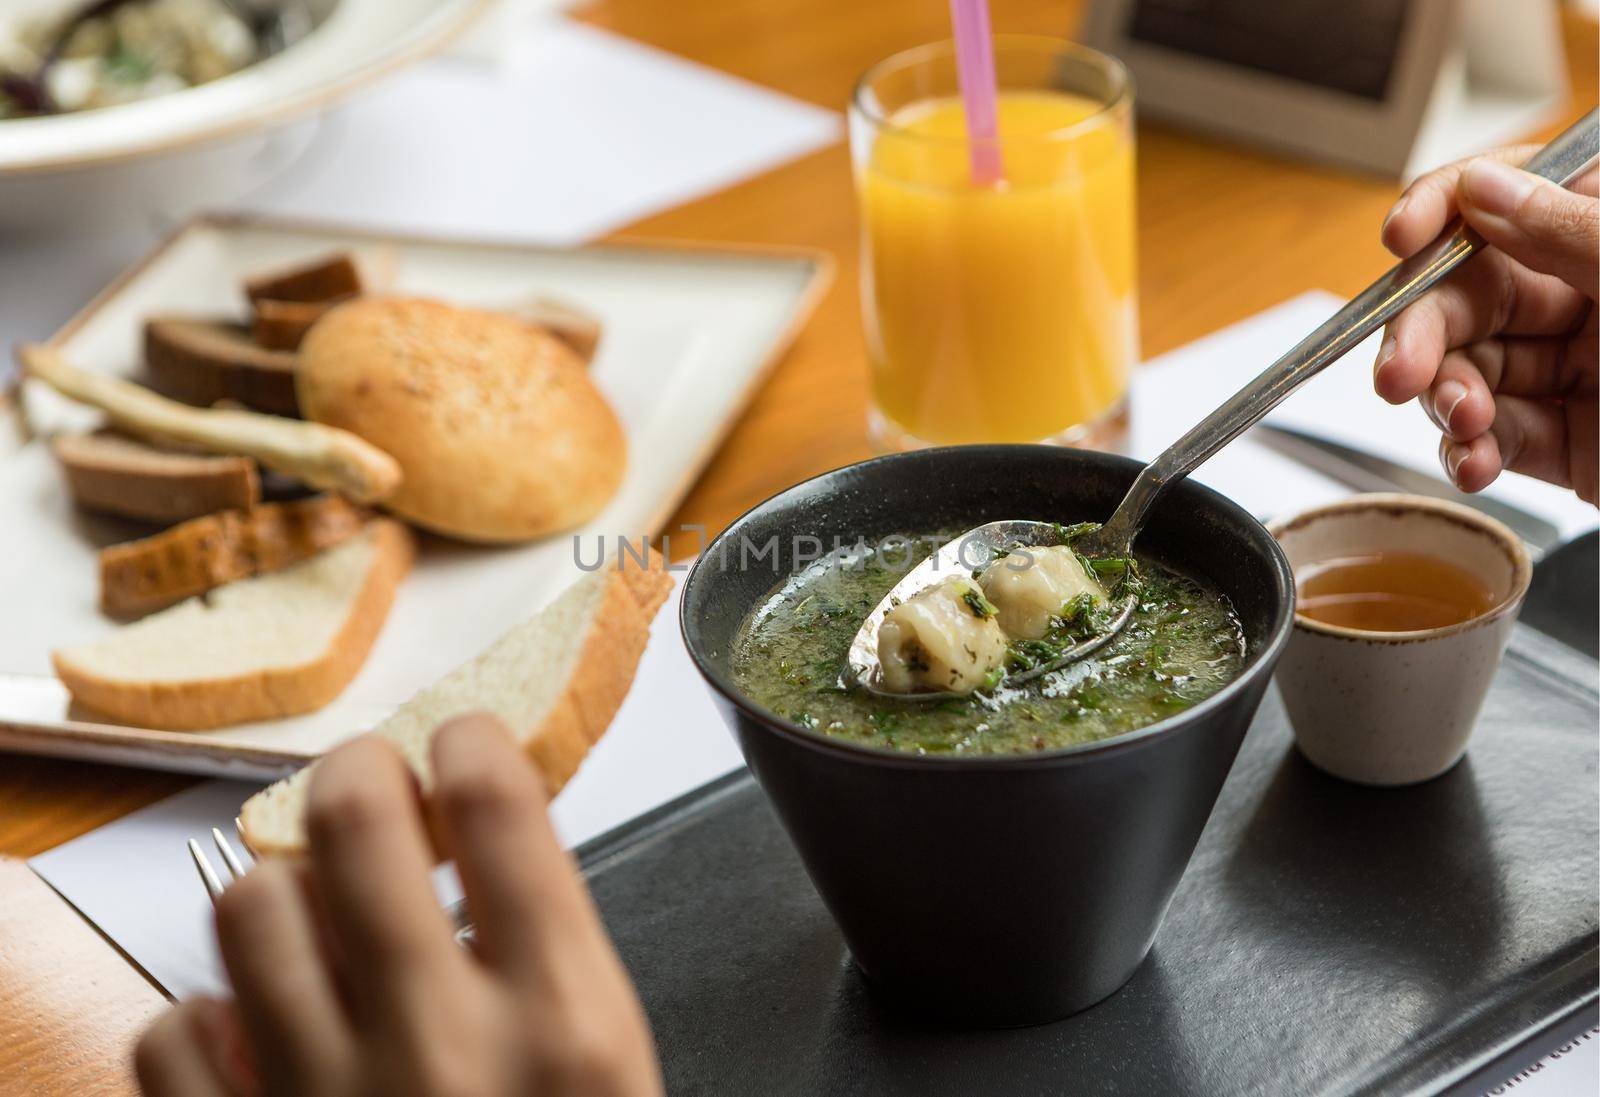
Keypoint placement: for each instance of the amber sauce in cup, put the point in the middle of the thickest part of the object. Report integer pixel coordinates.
(1390, 592)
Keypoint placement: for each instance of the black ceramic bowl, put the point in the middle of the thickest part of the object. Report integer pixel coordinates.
(993, 890)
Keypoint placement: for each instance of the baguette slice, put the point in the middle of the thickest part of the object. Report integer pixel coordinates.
(201, 361)
(260, 648)
(152, 573)
(116, 474)
(555, 680)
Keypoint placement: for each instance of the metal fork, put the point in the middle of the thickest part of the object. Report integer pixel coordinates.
(457, 912)
(202, 864)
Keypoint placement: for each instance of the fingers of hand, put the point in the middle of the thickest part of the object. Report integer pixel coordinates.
(181, 1054)
(1427, 205)
(1531, 436)
(1467, 306)
(1509, 403)
(1543, 226)
(536, 925)
(286, 994)
(1401, 373)
(1461, 407)
(520, 884)
(1491, 295)
(1528, 436)
(370, 863)
(1471, 466)
(1460, 401)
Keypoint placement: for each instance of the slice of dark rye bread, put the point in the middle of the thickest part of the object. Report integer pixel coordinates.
(325, 279)
(206, 552)
(282, 325)
(556, 681)
(113, 473)
(275, 645)
(202, 360)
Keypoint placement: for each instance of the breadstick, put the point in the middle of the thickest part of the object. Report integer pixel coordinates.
(321, 456)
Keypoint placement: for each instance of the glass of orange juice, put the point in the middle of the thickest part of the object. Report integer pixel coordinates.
(998, 309)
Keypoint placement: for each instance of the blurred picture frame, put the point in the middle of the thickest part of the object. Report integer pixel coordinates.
(1386, 86)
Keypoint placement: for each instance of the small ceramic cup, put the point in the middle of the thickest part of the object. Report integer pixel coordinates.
(1395, 708)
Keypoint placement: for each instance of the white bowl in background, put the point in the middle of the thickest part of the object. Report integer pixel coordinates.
(160, 158)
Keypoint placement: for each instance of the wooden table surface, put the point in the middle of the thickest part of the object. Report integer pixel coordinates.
(1224, 232)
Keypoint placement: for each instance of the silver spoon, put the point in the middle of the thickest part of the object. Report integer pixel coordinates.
(1561, 161)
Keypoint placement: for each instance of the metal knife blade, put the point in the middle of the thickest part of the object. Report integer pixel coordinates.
(1369, 472)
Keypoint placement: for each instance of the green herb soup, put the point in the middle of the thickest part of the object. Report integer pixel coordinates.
(1183, 644)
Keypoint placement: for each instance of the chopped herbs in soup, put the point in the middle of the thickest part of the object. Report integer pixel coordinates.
(970, 633)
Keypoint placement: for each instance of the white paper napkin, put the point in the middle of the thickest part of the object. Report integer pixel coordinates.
(575, 133)
(134, 880)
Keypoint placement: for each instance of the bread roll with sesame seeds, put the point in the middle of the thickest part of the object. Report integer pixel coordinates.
(496, 424)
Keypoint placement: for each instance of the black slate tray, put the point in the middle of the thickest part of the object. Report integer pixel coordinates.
(1327, 938)
(1564, 599)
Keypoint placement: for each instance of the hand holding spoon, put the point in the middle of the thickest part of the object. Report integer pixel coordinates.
(1561, 161)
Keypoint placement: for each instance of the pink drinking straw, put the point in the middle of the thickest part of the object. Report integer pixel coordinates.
(975, 73)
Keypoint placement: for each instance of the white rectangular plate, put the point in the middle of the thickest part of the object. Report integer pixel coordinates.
(688, 334)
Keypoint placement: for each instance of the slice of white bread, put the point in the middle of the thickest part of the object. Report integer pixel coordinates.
(271, 646)
(555, 680)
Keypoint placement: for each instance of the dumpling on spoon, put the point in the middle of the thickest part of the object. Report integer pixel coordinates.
(942, 639)
(1028, 593)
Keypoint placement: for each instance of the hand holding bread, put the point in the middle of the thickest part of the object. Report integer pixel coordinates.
(345, 976)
